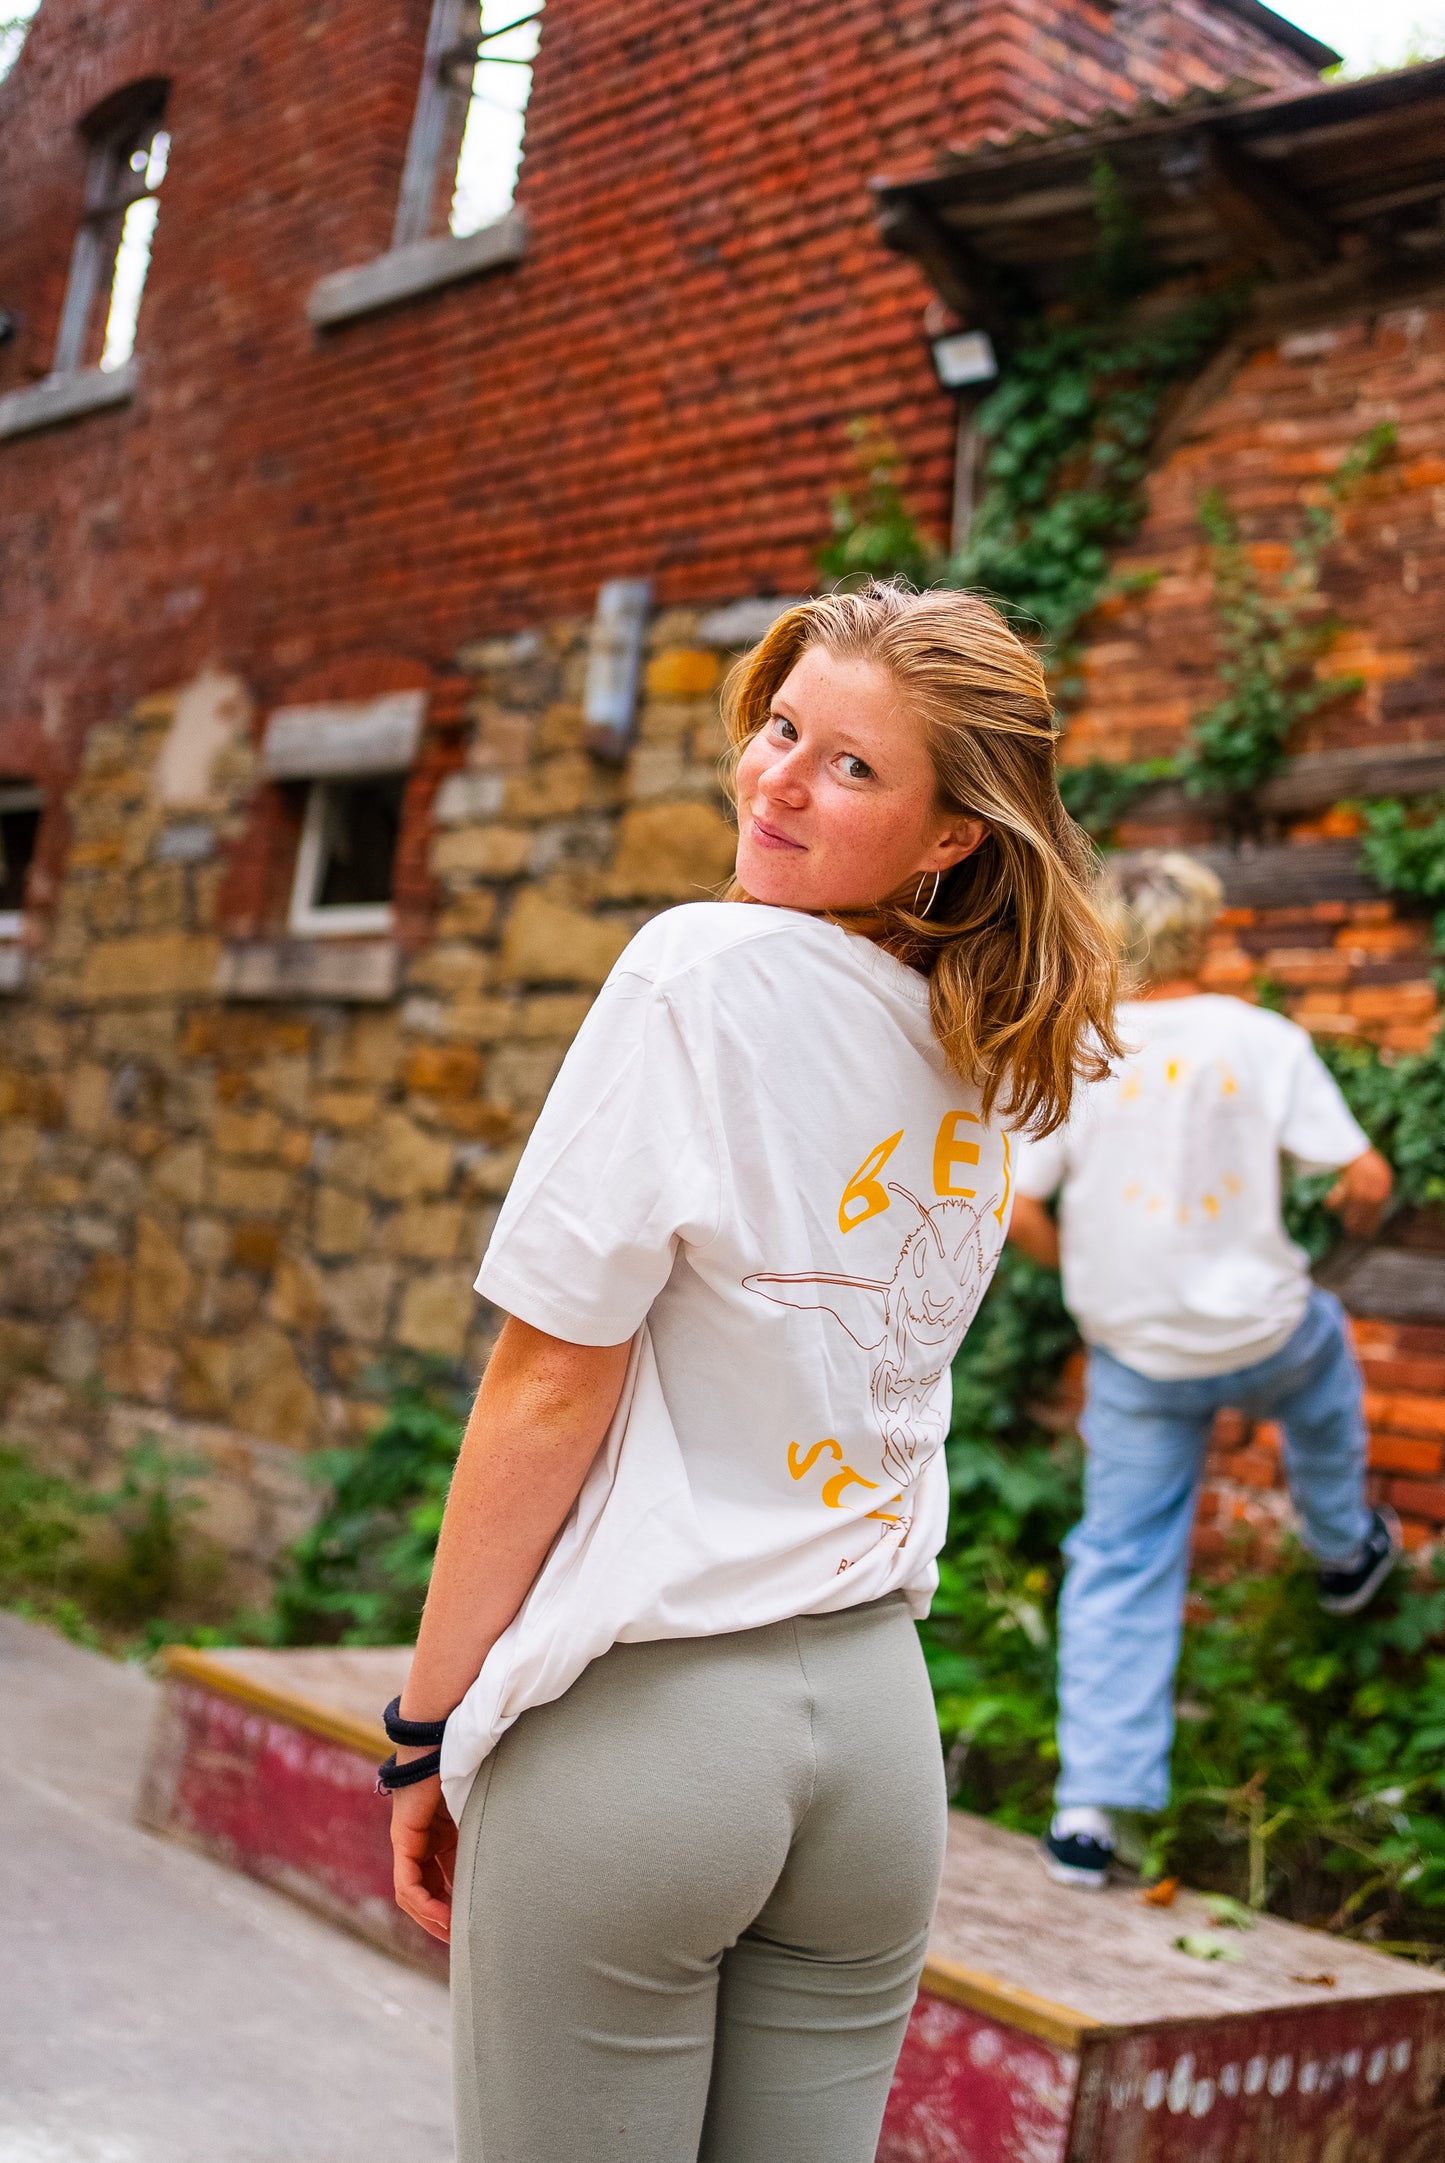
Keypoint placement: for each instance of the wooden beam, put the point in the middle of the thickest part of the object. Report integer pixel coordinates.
(957, 272)
(1281, 875)
(1311, 782)
(1393, 1283)
(1260, 213)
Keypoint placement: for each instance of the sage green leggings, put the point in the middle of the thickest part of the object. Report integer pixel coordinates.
(692, 1901)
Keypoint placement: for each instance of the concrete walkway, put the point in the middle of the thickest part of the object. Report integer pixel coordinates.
(154, 2008)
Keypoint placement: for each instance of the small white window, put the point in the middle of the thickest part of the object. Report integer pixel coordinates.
(347, 859)
(129, 149)
(470, 113)
(21, 804)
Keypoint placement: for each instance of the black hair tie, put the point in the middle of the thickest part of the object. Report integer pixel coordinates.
(390, 1775)
(411, 1734)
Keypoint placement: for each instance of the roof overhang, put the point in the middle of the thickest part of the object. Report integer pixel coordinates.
(1294, 182)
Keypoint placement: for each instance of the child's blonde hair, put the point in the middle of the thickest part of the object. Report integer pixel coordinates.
(1021, 967)
(1160, 905)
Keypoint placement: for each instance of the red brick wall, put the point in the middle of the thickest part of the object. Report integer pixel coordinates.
(1292, 410)
(661, 387)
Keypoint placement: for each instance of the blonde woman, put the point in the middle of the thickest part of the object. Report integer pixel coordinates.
(689, 1822)
(1191, 1295)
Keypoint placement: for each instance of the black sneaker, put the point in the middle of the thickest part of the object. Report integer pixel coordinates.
(1345, 1592)
(1077, 1859)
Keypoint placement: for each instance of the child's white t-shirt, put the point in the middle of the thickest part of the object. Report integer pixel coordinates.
(1175, 1258)
(757, 1163)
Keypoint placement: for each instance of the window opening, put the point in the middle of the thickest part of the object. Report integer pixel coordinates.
(21, 804)
(14, 23)
(129, 151)
(470, 116)
(347, 858)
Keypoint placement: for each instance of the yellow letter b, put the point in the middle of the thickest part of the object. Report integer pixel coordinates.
(865, 1196)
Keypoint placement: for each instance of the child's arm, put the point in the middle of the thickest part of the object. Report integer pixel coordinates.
(1034, 1231)
(1360, 1193)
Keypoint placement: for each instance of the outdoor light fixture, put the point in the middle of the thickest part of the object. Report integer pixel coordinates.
(962, 358)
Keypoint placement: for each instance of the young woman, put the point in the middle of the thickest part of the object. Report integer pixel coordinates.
(689, 1822)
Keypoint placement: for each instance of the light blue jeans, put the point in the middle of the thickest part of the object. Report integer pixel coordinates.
(1122, 1609)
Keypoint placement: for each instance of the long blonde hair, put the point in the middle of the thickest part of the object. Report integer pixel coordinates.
(1023, 973)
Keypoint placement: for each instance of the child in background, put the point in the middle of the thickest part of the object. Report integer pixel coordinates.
(1190, 1296)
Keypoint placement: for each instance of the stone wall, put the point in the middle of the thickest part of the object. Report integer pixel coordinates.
(219, 1215)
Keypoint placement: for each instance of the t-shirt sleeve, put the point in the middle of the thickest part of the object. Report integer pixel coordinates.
(1039, 1164)
(1320, 1131)
(620, 1167)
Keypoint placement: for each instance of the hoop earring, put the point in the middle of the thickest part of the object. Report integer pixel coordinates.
(937, 882)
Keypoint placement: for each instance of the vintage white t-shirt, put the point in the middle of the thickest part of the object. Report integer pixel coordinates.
(757, 1162)
(1174, 1255)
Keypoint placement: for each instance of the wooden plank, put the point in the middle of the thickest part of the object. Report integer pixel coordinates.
(1281, 874)
(1255, 207)
(1395, 1284)
(1006, 2002)
(1107, 1962)
(958, 273)
(1314, 781)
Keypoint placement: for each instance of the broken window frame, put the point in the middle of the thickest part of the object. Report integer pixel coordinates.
(455, 45)
(310, 918)
(117, 132)
(19, 796)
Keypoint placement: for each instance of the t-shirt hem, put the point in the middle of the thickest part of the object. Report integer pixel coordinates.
(1201, 1366)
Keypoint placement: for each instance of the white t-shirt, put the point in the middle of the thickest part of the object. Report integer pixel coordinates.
(1174, 1255)
(757, 1162)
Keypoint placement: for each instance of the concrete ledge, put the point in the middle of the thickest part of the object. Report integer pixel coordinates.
(361, 972)
(421, 267)
(66, 397)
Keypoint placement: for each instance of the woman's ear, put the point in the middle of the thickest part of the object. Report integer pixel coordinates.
(959, 839)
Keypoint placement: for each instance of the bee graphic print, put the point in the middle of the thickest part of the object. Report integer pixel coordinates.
(910, 1324)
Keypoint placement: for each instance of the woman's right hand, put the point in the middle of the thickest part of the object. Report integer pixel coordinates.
(424, 1855)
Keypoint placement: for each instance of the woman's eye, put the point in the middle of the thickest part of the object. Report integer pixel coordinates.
(857, 769)
(785, 728)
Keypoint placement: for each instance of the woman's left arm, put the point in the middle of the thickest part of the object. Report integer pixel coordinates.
(540, 1417)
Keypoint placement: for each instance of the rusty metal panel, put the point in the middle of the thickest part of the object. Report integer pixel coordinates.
(1362, 2082)
(971, 2090)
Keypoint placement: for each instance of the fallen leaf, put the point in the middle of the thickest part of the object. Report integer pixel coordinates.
(1200, 1946)
(1160, 1895)
(1320, 1982)
(1228, 1914)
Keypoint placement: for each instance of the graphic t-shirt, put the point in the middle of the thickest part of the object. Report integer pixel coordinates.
(757, 1164)
(1174, 1255)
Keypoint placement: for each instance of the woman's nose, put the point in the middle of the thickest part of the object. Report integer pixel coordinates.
(784, 781)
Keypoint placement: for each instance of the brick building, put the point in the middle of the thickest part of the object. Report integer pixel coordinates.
(368, 561)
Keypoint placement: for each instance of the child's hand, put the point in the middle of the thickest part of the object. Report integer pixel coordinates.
(1361, 1192)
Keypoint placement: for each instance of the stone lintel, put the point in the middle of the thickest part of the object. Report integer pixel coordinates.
(360, 972)
(356, 736)
(419, 267)
(739, 624)
(65, 397)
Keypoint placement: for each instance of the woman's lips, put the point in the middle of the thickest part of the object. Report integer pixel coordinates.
(768, 837)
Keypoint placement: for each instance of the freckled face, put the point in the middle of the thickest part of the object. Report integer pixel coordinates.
(836, 794)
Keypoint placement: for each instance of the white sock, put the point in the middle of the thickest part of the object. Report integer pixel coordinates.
(1086, 1822)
